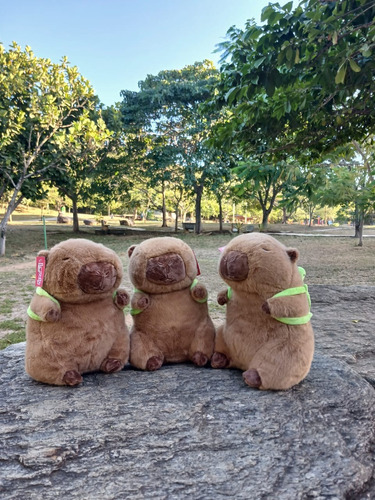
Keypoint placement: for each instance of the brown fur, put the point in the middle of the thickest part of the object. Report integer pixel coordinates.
(88, 331)
(173, 326)
(273, 355)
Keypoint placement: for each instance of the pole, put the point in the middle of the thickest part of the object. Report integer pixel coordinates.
(45, 232)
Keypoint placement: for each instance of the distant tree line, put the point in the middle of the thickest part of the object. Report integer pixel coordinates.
(286, 122)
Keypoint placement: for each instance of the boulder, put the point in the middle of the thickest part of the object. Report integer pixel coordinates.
(186, 432)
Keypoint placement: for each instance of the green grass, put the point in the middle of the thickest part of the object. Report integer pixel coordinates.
(16, 328)
(12, 338)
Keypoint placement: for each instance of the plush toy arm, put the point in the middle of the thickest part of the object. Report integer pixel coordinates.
(287, 307)
(121, 298)
(223, 297)
(44, 309)
(199, 292)
(139, 302)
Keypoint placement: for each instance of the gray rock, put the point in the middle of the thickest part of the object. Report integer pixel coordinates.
(343, 321)
(184, 432)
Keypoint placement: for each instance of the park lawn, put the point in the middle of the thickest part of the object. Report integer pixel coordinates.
(327, 260)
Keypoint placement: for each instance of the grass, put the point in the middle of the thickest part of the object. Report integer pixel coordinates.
(327, 260)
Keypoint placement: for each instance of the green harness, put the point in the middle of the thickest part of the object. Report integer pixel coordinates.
(42, 293)
(300, 320)
(134, 312)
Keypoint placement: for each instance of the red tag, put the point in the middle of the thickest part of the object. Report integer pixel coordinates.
(198, 270)
(40, 268)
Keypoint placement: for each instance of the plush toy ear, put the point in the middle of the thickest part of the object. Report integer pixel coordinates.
(131, 250)
(43, 253)
(293, 254)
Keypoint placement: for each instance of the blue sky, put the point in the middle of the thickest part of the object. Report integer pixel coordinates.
(116, 43)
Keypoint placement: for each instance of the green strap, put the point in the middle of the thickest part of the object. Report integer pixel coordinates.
(134, 312)
(229, 292)
(301, 320)
(200, 301)
(42, 293)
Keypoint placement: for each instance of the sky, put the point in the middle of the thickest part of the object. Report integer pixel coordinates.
(117, 43)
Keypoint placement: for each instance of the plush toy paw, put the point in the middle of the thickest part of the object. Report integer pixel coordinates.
(219, 360)
(222, 297)
(122, 298)
(72, 378)
(53, 315)
(154, 363)
(266, 308)
(199, 293)
(199, 359)
(111, 365)
(252, 378)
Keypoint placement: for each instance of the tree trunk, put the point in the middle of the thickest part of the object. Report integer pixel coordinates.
(75, 216)
(285, 216)
(176, 220)
(219, 199)
(359, 229)
(164, 210)
(265, 215)
(198, 202)
(13, 204)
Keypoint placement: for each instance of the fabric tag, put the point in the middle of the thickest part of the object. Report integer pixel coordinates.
(198, 269)
(40, 268)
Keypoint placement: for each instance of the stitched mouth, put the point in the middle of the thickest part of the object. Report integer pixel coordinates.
(97, 277)
(165, 269)
(234, 266)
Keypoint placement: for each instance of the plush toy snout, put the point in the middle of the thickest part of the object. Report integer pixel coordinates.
(165, 269)
(234, 266)
(97, 277)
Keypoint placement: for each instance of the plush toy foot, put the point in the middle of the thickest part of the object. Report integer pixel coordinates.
(111, 365)
(154, 363)
(199, 359)
(72, 378)
(251, 378)
(219, 360)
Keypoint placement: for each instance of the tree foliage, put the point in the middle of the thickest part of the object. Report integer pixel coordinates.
(38, 99)
(302, 82)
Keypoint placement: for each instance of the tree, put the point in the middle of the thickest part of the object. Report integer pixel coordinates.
(302, 82)
(79, 149)
(264, 181)
(38, 99)
(167, 110)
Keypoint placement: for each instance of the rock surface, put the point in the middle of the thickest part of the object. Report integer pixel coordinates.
(343, 321)
(184, 432)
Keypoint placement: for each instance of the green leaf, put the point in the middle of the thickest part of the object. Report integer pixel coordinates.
(340, 75)
(231, 94)
(259, 61)
(354, 66)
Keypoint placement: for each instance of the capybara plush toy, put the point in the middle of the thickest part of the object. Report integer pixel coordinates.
(267, 332)
(76, 321)
(169, 306)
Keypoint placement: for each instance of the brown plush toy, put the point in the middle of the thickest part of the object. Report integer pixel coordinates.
(169, 307)
(267, 332)
(76, 321)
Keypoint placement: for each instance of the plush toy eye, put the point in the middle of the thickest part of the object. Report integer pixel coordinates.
(266, 249)
(65, 258)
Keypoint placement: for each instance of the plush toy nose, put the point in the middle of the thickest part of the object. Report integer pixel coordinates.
(234, 266)
(97, 277)
(165, 269)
